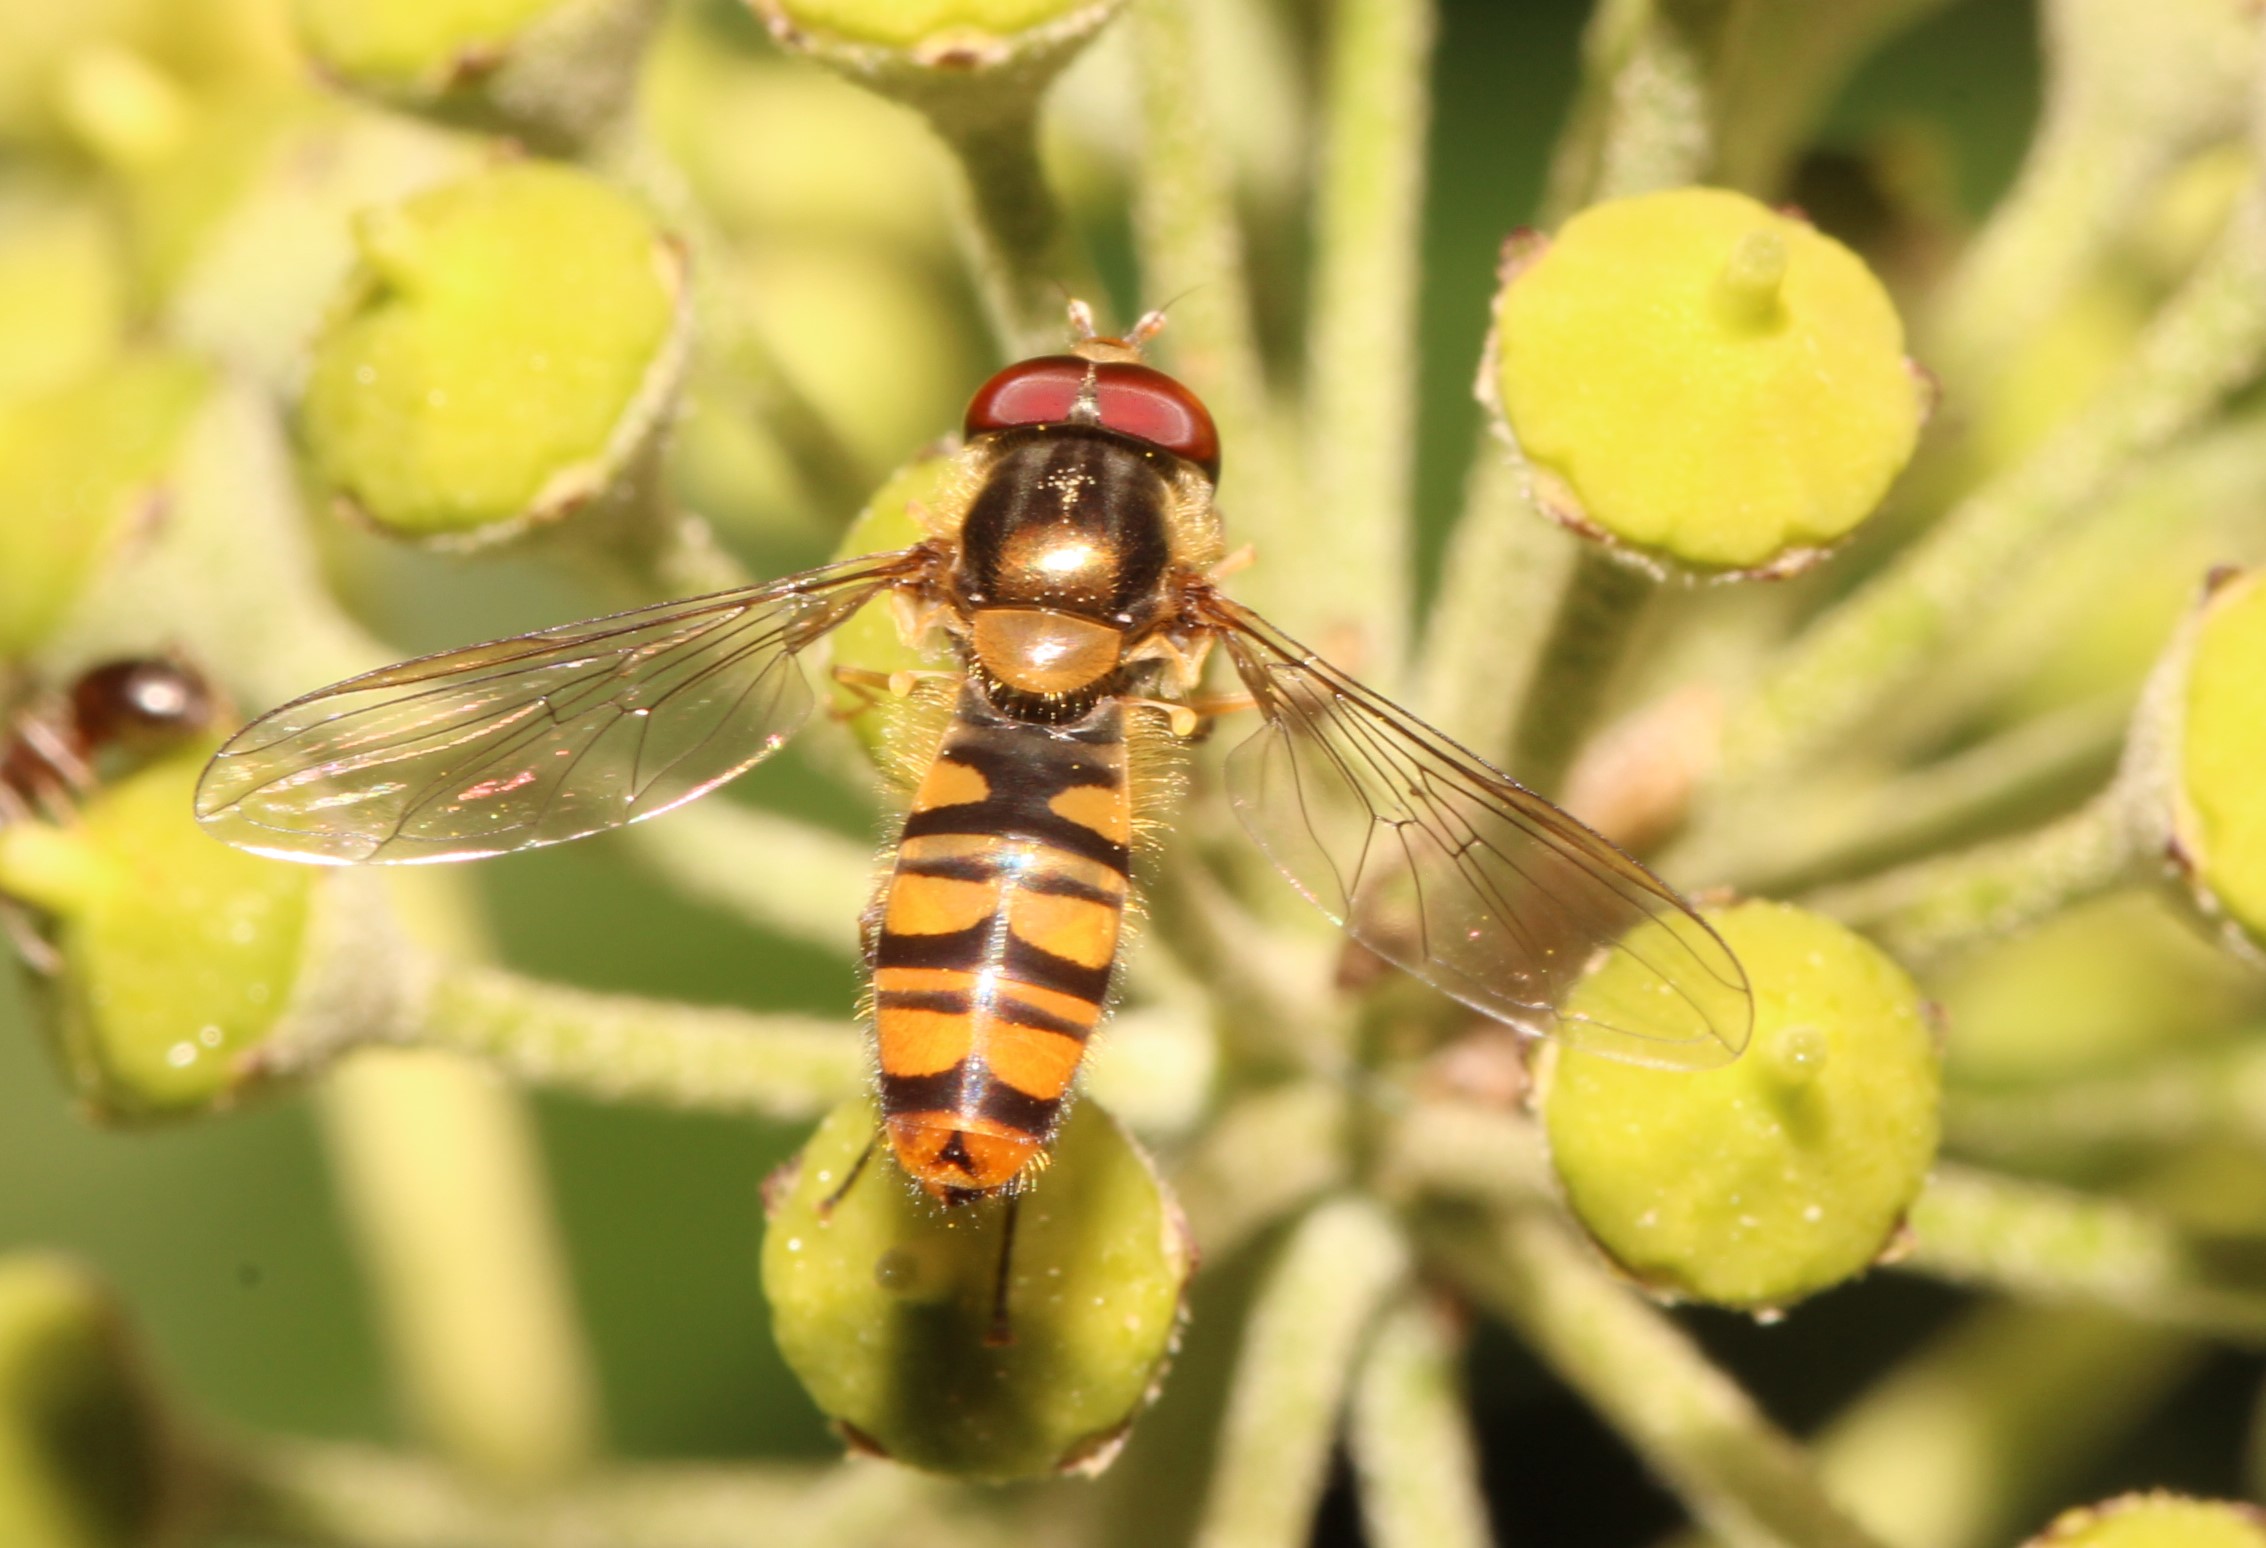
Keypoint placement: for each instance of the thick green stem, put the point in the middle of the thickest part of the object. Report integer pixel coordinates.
(2051, 1244)
(1598, 612)
(1642, 119)
(2219, 1095)
(1410, 1435)
(354, 1497)
(1021, 248)
(1192, 257)
(2208, 340)
(1361, 409)
(1313, 1315)
(619, 1048)
(775, 872)
(1505, 569)
(1745, 1479)
(1934, 907)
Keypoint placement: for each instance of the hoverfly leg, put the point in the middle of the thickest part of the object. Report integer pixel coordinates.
(1001, 1333)
(41, 957)
(850, 1178)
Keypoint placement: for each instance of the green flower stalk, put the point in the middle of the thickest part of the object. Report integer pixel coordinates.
(1782, 1173)
(892, 1313)
(507, 354)
(86, 1457)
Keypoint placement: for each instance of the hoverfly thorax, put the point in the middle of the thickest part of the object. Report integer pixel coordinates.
(1094, 486)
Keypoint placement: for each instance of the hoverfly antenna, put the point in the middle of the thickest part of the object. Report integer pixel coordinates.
(1081, 317)
(1151, 324)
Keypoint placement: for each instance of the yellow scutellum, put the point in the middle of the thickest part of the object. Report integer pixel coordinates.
(2157, 1521)
(178, 954)
(1705, 380)
(884, 1304)
(77, 466)
(1770, 1178)
(506, 348)
(82, 1451)
(405, 43)
(2220, 813)
(925, 24)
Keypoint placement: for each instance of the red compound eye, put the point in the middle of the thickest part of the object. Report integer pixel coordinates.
(1134, 400)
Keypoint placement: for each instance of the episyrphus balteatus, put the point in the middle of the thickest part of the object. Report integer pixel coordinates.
(55, 748)
(1072, 568)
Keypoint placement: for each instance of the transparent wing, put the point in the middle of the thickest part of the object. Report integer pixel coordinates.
(536, 739)
(1471, 882)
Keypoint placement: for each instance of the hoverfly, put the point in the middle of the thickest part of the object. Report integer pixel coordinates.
(56, 748)
(1071, 569)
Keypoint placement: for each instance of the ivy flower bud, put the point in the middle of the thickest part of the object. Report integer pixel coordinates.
(869, 37)
(551, 71)
(1702, 380)
(871, 646)
(84, 1455)
(2157, 1520)
(884, 1304)
(178, 956)
(2218, 802)
(1784, 1172)
(505, 354)
(78, 466)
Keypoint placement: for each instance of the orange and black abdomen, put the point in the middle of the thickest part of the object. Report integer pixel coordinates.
(999, 928)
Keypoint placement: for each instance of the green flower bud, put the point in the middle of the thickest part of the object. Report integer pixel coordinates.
(78, 466)
(506, 353)
(2157, 1520)
(552, 71)
(84, 1461)
(952, 35)
(2219, 803)
(62, 293)
(884, 1304)
(871, 645)
(179, 955)
(1777, 1175)
(1703, 380)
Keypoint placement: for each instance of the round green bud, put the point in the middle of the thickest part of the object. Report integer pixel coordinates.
(506, 351)
(555, 71)
(83, 1455)
(1703, 380)
(884, 1304)
(2219, 806)
(2157, 1520)
(178, 955)
(1772, 1177)
(78, 466)
(953, 34)
(871, 645)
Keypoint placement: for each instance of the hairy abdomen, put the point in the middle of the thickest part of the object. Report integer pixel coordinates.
(999, 928)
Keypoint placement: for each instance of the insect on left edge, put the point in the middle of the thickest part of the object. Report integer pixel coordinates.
(1071, 568)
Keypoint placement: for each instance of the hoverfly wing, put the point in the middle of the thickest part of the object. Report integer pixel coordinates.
(539, 738)
(1449, 869)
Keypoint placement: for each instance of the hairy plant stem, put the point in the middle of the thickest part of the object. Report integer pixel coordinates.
(1970, 1439)
(1262, 1157)
(1020, 248)
(1932, 908)
(1505, 569)
(1361, 397)
(2207, 340)
(1598, 613)
(775, 872)
(329, 1496)
(619, 1048)
(1741, 1476)
(1314, 1313)
(1410, 1436)
(1192, 255)
(2052, 1244)
(1835, 827)
(2215, 1094)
